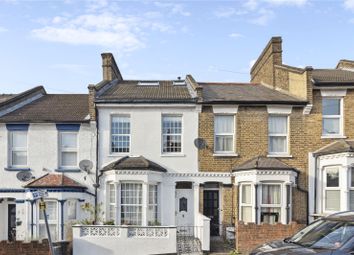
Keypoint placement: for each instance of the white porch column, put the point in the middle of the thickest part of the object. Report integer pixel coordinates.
(345, 184)
(145, 202)
(196, 202)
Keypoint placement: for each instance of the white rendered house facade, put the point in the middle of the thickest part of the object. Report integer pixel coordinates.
(43, 137)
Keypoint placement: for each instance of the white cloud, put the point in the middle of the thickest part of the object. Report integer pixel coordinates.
(264, 17)
(174, 8)
(287, 2)
(349, 4)
(236, 35)
(252, 62)
(124, 33)
(2, 29)
(224, 12)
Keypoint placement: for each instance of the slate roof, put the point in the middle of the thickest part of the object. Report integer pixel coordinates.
(52, 108)
(337, 147)
(52, 180)
(245, 93)
(128, 91)
(263, 163)
(5, 97)
(333, 76)
(134, 163)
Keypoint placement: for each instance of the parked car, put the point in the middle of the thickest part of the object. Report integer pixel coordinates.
(331, 235)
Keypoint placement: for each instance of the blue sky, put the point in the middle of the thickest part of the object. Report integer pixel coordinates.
(58, 43)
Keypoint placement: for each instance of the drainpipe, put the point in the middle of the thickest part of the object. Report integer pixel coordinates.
(32, 224)
(97, 184)
(62, 218)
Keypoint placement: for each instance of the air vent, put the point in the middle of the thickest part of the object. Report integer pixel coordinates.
(148, 83)
(179, 83)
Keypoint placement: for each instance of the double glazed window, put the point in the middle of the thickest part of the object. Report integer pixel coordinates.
(18, 148)
(271, 203)
(246, 202)
(120, 134)
(278, 134)
(131, 203)
(68, 149)
(112, 201)
(332, 189)
(152, 207)
(224, 132)
(52, 216)
(331, 116)
(71, 206)
(171, 134)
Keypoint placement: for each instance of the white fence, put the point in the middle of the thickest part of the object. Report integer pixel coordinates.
(114, 240)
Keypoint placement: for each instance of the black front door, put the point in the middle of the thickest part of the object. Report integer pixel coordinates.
(11, 222)
(211, 210)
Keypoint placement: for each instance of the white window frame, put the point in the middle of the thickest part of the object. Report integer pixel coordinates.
(233, 134)
(156, 204)
(76, 208)
(350, 187)
(135, 205)
(50, 221)
(62, 149)
(172, 134)
(340, 117)
(280, 205)
(242, 204)
(112, 214)
(12, 149)
(118, 135)
(286, 135)
(325, 188)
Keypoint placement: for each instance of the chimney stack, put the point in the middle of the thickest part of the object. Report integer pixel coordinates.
(110, 68)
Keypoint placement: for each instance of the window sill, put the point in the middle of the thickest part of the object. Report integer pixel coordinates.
(333, 137)
(17, 169)
(225, 155)
(68, 170)
(279, 156)
(173, 155)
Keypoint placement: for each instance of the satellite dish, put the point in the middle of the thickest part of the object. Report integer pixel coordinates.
(24, 176)
(200, 143)
(86, 165)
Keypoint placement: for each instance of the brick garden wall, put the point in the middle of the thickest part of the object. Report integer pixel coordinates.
(29, 248)
(249, 236)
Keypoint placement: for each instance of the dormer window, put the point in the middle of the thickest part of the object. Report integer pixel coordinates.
(148, 83)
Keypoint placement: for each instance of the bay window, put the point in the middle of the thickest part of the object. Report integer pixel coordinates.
(278, 134)
(246, 203)
(71, 206)
(120, 134)
(52, 216)
(332, 189)
(271, 203)
(68, 149)
(18, 149)
(131, 203)
(224, 133)
(171, 134)
(331, 116)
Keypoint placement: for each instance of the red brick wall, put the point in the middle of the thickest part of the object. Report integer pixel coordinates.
(249, 236)
(23, 248)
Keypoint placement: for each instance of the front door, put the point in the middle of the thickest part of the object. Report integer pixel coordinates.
(211, 210)
(11, 230)
(184, 207)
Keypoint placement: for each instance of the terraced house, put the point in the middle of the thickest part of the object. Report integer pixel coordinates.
(177, 162)
(43, 138)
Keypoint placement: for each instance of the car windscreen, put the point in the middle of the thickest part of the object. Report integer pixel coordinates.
(327, 234)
